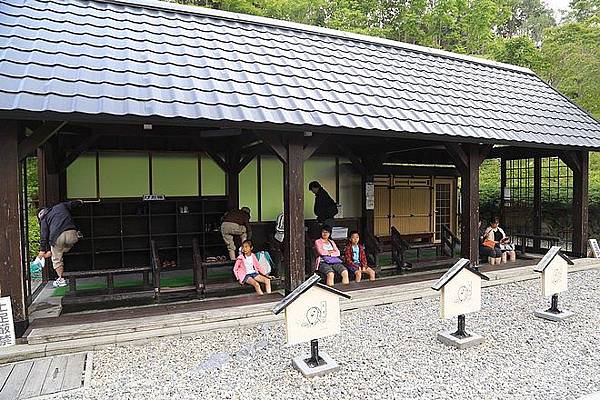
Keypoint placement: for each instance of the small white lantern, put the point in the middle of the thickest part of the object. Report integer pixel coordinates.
(460, 294)
(312, 311)
(554, 269)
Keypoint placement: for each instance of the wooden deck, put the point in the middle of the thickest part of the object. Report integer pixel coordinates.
(427, 271)
(43, 376)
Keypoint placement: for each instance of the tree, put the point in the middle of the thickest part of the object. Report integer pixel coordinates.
(573, 54)
(526, 18)
(583, 10)
(519, 50)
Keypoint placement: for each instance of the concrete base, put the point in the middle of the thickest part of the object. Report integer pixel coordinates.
(300, 364)
(552, 316)
(448, 339)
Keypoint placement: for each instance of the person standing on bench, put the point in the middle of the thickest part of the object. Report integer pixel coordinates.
(325, 208)
(58, 234)
(236, 223)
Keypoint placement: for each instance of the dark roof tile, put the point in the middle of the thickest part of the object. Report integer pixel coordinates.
(163, 60)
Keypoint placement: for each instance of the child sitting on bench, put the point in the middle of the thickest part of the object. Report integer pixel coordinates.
(248, 271)
(355, 258)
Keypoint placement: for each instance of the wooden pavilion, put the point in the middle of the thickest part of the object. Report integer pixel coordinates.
(122, 98)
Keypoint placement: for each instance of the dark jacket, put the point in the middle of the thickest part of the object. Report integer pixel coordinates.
(241, 218)
(325, 207)
(55, 221)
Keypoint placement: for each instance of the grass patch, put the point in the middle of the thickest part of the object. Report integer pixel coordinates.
(177, 281)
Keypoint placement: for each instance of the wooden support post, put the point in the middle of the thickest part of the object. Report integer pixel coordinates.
(294, 211)
(11, 267)
(580, 204)
(233, 189)
(467, 158)
(537, 203)
(502, 190)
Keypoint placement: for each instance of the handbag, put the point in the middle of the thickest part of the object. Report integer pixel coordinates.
(331, 260)
(489, 243)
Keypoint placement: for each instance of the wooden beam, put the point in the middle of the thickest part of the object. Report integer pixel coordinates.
(217, 133)
(484, 151)
(85, 145)
(572, 160)
(11, 264)
(294, 213)
(580, 204)
(39, 137)
(218, 159)
(274, 142)
(312, 145)
(459, 156)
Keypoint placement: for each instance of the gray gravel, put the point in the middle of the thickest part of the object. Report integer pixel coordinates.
(386, 352)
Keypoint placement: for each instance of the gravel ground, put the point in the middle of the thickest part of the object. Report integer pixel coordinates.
(386, 352)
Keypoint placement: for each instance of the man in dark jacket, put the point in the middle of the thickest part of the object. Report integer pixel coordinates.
(58, 234)
(325, 208)
(236, 223)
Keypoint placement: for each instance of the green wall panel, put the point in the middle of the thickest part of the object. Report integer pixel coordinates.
(81, 178)
(321, 169)
(213, 179)
(248, 188)
(350, 190)
(175, 174)
(123, 174)
(271, 176)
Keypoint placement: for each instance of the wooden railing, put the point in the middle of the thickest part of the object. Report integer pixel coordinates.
(449, 241)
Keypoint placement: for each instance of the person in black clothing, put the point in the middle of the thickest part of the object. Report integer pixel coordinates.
(58, 234)
(325, 208)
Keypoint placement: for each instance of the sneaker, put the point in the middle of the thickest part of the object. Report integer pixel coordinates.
(60, 282)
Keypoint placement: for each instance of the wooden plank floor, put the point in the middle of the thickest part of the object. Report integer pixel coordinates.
(42, 376)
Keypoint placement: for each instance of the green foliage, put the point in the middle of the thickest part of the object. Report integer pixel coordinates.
(519, 50)
(572, 52)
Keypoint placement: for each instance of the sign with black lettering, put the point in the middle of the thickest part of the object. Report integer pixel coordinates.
(593, 243)
(7, 328)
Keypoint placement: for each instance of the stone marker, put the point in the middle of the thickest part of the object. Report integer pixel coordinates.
(594, 249)
(312, 311)
(553, 267)
(7, 328)
(460, 294)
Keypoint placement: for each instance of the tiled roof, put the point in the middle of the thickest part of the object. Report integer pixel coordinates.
(161, 60)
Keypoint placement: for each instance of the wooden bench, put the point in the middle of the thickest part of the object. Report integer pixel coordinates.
(399, 246)
(552, 240)
(72, 276)
(199, 270)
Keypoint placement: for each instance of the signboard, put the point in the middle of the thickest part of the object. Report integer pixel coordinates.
(313, 315)
(370, 195)
(595, 249)
(554, 277)
(461, 295)
(7, 328)
(153, 197)
(339, 232)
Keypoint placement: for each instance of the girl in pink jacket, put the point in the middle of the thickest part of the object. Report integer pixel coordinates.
(248, 271)
(328, 260)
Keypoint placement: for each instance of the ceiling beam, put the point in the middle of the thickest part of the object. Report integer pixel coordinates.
(39, 136)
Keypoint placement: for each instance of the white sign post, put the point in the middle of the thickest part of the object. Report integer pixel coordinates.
(7, 327)
(594, 248)
(460, 294)
(312, 311)
(554, 269)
